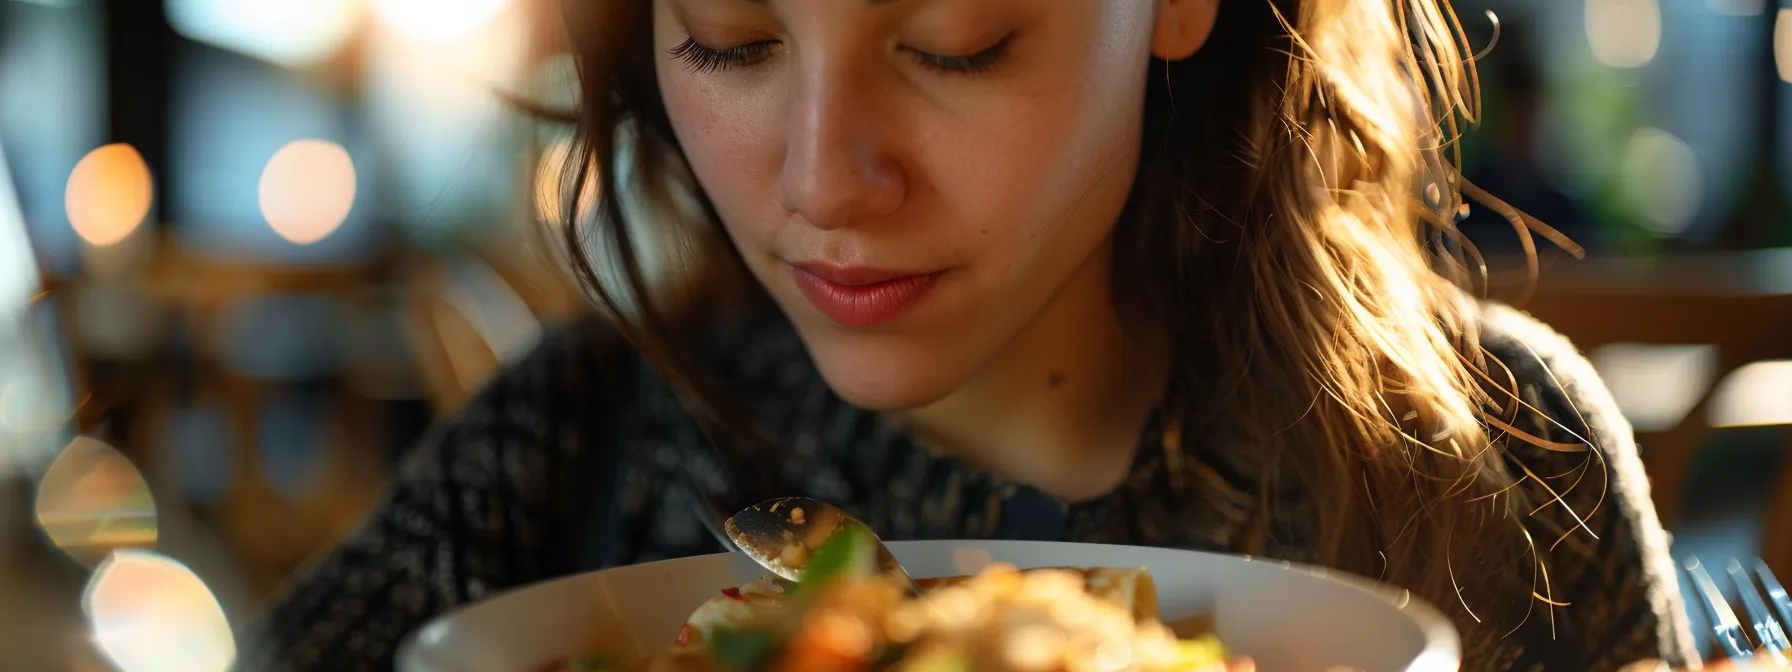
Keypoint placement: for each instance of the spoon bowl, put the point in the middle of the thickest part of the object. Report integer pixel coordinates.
(780, 534)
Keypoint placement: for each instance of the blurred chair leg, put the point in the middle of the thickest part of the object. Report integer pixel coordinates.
(353, 472)
(1668, 458)
(1776, 524)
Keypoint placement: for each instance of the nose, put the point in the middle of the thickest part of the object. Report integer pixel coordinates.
(838, 168)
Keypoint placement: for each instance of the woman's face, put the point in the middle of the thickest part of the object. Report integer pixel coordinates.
(913, 181)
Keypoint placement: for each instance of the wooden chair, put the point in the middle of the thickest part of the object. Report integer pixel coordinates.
(465, 320)
(1740, 302)
(267, 533)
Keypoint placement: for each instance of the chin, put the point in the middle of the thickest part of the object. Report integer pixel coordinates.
(881, 376)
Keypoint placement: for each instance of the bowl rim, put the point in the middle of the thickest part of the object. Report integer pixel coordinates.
(1441, 649)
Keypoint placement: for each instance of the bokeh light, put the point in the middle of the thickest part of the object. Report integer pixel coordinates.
(1661, 181)
(150, 613)
(109, 193)
(307, 190)
(1656, 385)
(1624, 33)
(93, 501)
(1782, 44)
(437, 21)
(1754, 395)
(289, 32)
(432, 107)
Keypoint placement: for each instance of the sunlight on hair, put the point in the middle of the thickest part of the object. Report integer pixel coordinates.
(550, 180)
(1661, 181)
(1782, 44)
(548, 189)
(288, 32)
(1656, 385)
(1624, 33)
(109, 193)
(93, 501)
(150, 613)
(1755, 395)
(307, 190)
(437, 21)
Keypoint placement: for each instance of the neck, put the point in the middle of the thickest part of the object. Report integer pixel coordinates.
(1062, 405)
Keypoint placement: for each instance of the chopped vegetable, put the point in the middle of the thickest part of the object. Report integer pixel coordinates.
(1203, 650)
(888, 655)
(936, 659)
(595, 664)
(849, 552)
(742, 650)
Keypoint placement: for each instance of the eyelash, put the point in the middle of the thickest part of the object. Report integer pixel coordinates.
(701, 59)
(973, 64)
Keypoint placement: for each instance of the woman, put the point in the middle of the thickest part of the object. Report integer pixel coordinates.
(1167, 272)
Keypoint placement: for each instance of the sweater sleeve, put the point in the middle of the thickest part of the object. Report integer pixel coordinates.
(469, 511)
(1611, 578)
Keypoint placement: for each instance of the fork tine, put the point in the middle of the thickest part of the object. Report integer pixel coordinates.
(1724, 625)
(1776, 594)
(1767, 628)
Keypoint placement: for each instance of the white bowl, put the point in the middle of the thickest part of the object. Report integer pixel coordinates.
(1287, 617)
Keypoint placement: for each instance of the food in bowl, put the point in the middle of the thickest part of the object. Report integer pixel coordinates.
(845, 617)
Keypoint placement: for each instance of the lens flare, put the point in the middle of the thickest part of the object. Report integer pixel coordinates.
(149, 613)
(93, 501)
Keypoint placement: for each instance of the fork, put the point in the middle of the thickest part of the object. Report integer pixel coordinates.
(1728, 628)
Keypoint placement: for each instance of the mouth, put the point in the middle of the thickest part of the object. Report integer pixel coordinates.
(862, 297)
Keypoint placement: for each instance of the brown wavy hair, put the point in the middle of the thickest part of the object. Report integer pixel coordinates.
(1291, 224)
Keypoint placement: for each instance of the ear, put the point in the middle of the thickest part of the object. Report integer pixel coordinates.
(1182, 27)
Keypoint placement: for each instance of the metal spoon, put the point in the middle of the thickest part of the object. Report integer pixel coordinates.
(780, 533)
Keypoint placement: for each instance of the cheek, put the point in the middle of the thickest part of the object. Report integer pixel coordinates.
(1033, 196)
(732, 145)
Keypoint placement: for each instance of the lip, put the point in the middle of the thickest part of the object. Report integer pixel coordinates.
(862, 297)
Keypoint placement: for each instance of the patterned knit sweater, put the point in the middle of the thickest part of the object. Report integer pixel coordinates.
(571, 460)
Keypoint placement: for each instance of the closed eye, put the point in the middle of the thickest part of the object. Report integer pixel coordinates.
(972, 64)
(703, 59)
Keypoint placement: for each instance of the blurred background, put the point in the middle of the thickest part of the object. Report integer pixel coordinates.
(249, 249)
